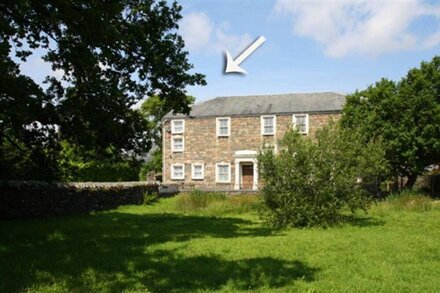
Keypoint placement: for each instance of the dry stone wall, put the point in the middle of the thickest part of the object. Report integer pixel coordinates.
(20, 199)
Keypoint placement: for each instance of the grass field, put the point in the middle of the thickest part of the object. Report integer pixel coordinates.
(166, 247)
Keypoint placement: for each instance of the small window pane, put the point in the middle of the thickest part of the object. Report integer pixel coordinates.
(268, 125)
(301, 123)
(198, 171)
(178, 171)
(223, 172)
(178, 144)
(177, 126)
(223, 126)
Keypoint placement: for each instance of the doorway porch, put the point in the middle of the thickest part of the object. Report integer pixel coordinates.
(246, 170)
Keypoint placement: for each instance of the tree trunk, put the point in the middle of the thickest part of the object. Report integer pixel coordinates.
(411, 181)
(396, 184)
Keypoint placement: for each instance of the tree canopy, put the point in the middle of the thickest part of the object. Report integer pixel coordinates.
(107, 56)
(406, 114)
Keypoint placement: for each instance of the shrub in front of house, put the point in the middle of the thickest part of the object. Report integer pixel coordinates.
(309, 182)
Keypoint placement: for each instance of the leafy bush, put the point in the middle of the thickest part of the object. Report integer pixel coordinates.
(81, 166)
(150, 198)
(215, 202)
(409, 200)
(310, 181)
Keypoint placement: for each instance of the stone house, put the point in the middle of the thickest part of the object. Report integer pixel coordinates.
(216, 146)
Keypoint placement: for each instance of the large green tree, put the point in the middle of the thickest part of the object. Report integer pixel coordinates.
(110, 55)
(406, 115)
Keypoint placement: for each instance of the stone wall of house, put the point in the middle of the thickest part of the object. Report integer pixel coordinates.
(201, 145)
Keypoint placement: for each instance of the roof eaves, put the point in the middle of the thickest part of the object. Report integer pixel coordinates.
(255, 114)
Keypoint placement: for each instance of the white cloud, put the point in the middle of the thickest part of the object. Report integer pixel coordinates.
(201, 34)
(196, 30)
(369, 27)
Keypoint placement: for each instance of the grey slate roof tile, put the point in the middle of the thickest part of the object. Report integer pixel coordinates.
(267, 104)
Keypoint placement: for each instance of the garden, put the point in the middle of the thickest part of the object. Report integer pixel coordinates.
(214, 242)
(341, 210)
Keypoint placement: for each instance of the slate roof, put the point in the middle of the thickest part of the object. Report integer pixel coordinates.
(267, 104)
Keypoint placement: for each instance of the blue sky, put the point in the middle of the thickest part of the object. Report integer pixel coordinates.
(311, 46)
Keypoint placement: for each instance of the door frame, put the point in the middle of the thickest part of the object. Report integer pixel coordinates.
(245, 156)
(244, 165)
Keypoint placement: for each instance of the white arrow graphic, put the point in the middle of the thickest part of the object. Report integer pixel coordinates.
(233, 65)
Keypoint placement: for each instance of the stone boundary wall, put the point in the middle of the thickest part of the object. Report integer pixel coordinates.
(23, 199)
(172, 189)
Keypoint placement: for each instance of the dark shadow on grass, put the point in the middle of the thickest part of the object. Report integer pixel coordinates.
(213, 273)
(114, 250)
(361, 221)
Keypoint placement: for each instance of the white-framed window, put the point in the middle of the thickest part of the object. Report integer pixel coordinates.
(223, 126)
(198, 171)
(177, 144)
(268, 124)
(301, 122)
(177, 171)
(223, 172)
(177, 126)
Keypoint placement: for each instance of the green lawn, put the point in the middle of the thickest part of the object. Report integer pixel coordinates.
(157, 248)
